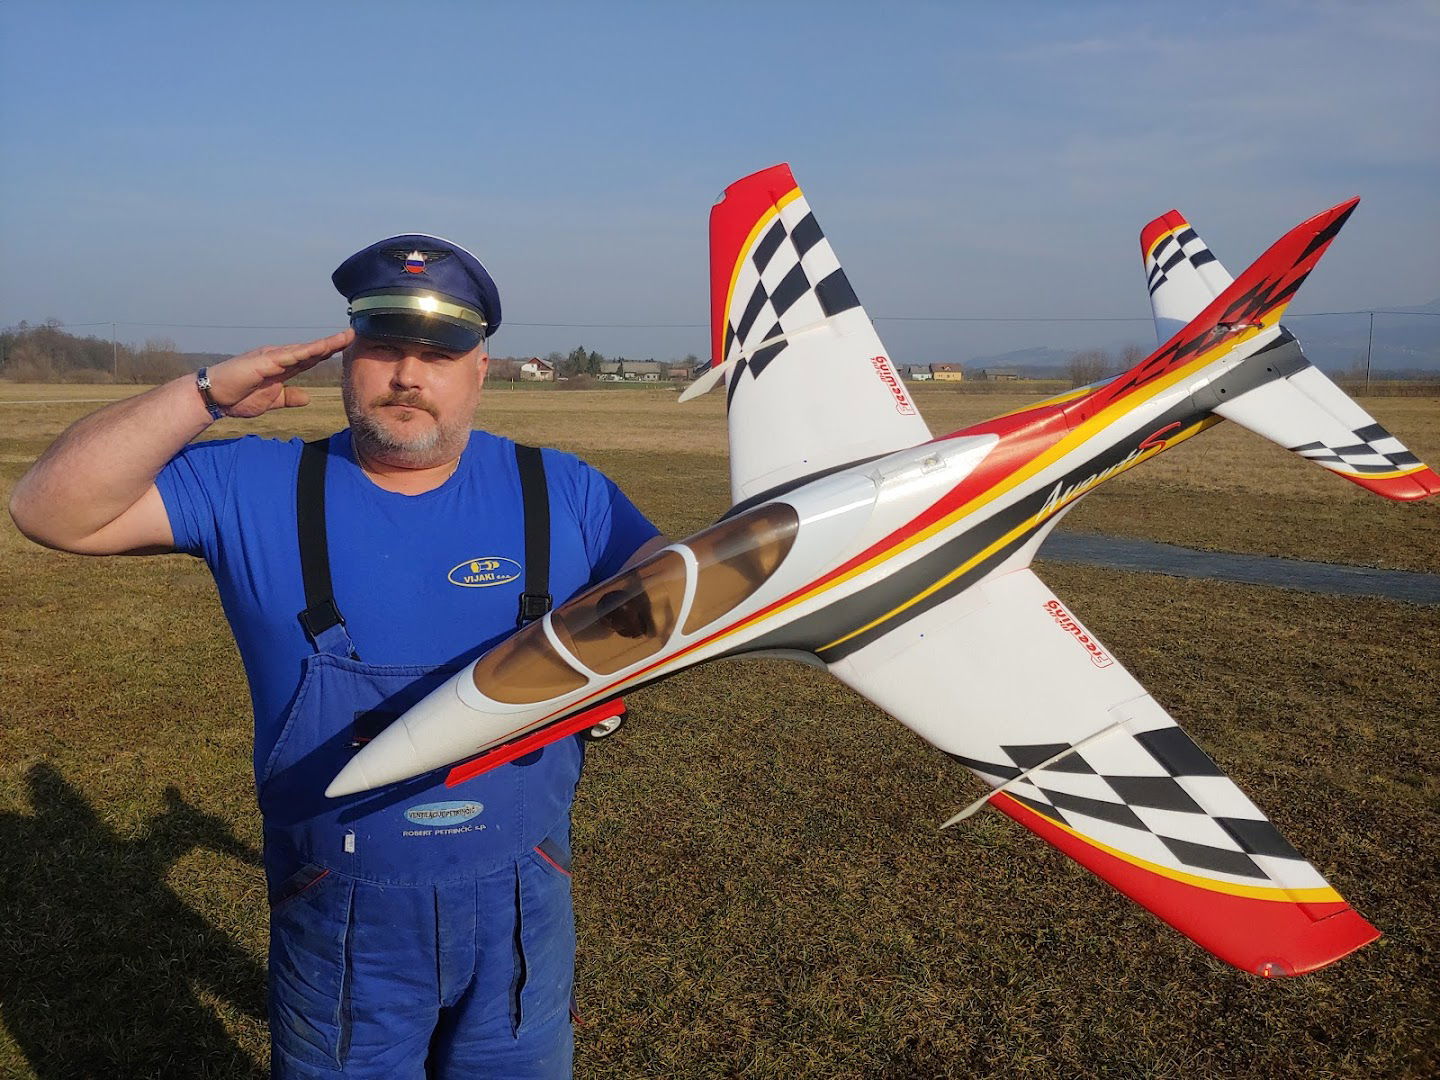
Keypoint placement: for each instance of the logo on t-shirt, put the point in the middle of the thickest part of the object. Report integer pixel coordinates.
(484, 571)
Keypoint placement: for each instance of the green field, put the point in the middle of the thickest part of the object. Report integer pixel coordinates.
(761, 888)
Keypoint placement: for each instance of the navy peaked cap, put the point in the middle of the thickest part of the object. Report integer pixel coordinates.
(421, 288)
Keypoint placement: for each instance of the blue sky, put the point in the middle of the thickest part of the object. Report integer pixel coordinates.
(207, 163)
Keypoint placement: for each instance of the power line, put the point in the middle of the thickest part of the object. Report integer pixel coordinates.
(702, 326)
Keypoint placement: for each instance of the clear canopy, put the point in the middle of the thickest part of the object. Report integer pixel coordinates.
(736, 557)
(630, 617)
(525, 668)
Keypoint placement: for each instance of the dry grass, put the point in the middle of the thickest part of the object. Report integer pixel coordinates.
(761, 888)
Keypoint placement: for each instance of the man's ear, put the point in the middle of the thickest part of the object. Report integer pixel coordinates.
(482, 365)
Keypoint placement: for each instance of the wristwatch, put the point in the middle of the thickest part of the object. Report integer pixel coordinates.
(202, 383)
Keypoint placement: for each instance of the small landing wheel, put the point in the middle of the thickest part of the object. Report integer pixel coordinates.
(605, 728)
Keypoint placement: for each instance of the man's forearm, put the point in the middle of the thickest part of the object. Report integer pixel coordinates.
(92, 491)
(102, 464)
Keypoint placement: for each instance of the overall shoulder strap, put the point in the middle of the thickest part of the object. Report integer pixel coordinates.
(535, 600)
(323, 623)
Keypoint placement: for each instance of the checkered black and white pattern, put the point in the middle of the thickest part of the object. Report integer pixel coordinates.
(1177, 247)
(1157, 796)
(789, 280)
(1374, 450)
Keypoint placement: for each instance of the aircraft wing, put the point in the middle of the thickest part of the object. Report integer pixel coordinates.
(1007, 681)
(809, 386)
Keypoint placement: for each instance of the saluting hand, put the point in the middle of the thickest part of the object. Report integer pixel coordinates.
(254, 382)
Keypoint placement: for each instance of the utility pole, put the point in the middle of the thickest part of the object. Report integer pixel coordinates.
(1369, 349)
(114, 356)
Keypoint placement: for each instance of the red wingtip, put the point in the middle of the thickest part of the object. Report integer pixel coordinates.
(1263, 937)
(1420, 484)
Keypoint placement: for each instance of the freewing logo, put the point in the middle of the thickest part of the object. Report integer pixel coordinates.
(887, 376)
(1098, 656)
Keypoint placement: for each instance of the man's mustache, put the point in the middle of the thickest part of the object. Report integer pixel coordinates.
(411, 398)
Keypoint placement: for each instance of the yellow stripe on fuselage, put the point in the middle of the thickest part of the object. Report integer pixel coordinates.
(1065, 445)
(1322, 895)
(1019, 530)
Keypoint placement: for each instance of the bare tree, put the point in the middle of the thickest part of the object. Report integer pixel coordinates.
(1132, 355)
(158, 360)
(1089, 366)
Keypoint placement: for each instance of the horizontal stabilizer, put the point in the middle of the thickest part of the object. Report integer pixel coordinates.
(1305, 412)
(1294, 404)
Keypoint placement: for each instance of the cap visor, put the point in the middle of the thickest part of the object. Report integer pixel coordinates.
(425, 329)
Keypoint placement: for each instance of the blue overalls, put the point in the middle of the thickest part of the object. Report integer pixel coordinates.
(417, 923)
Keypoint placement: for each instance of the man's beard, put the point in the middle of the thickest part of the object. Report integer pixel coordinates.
(376, 439)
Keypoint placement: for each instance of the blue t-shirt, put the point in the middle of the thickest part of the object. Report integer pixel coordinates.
(421, 579)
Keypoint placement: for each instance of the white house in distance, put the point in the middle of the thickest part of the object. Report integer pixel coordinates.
(633, 371)
(537, 370)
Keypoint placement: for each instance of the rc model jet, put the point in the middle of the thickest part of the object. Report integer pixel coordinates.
(899, 561)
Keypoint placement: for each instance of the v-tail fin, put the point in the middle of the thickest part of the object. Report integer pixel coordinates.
(1282, 396)
(1181, 273)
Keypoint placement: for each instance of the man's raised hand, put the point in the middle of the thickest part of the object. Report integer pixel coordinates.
(254, 382)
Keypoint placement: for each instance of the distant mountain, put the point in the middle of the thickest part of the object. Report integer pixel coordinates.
(1038, 362)
(1401, 346)
(1432, 308)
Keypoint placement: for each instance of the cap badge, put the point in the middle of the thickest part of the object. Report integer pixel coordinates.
(416, 261)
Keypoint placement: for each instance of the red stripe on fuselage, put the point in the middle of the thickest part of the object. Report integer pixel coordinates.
(1256, 298)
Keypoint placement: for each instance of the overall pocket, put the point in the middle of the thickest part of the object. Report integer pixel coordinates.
(545, 938)
(310, 928)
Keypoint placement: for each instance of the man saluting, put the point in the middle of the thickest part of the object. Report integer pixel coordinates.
(415, 931)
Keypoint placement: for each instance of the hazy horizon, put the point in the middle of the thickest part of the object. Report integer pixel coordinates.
(195, 173)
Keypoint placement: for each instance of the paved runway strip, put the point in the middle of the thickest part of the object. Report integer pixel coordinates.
(1147, 556)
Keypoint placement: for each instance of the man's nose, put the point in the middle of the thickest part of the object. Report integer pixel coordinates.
(407, 370)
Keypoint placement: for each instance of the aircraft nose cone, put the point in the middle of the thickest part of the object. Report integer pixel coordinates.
(351, 780)
(438, 731)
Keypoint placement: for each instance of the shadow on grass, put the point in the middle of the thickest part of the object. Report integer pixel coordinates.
(100, 960)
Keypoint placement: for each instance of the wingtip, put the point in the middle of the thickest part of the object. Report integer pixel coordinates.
(1419, 484)
(1150, 235)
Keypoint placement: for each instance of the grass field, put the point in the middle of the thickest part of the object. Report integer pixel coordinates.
(761, 888)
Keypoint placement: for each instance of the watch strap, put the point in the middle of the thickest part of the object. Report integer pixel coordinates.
(202, 383)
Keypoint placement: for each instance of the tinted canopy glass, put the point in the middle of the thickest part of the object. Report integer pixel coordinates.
(736, 557)
(524, 669)
(627, 618)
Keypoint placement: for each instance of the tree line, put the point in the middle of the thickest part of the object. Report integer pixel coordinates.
(46, 352)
